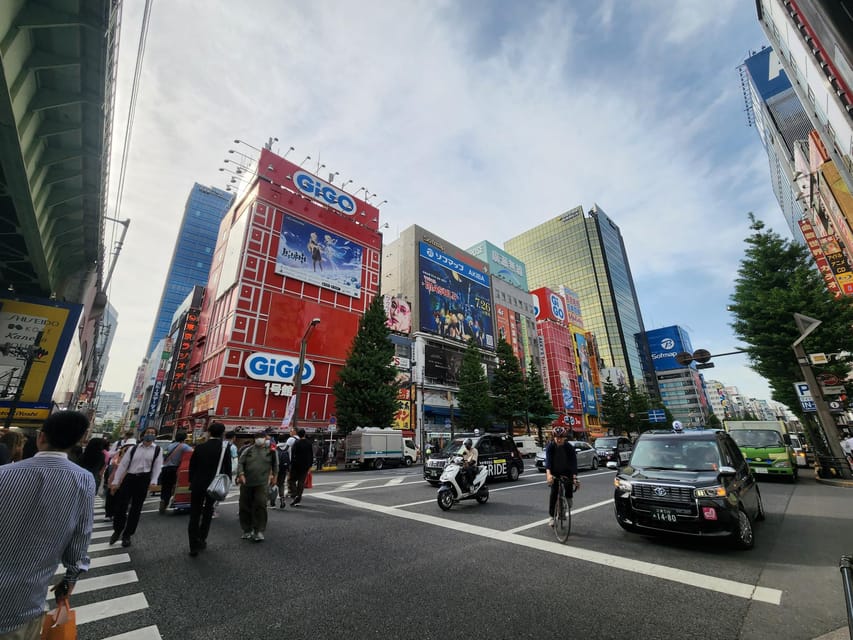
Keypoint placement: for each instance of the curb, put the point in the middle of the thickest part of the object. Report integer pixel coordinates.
(848, 484)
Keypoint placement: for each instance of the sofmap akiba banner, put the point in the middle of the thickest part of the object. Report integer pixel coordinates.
(22, 323)
(455, 300)
(319, 256)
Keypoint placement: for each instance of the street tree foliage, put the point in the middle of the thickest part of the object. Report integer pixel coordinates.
(475, 404)
(508, 392)
(366, 391)
(540, 409)
(625, 408)
(776, 279)
(713, 422)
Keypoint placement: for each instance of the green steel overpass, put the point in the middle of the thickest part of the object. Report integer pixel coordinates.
(58, 64)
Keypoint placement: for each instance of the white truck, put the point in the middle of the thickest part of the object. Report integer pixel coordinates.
(372, 446)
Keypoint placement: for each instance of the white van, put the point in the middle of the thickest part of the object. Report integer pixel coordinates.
(527, 446)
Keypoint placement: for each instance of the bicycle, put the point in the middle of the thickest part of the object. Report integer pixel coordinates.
(563, 511)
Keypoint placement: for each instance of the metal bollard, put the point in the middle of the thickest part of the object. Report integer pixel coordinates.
(847, 579)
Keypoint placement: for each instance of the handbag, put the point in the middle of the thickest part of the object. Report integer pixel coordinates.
(309, 481)
(60, 623)
(221, 483)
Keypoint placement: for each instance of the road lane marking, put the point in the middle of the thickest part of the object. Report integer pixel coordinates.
(681, 576)
(103, 582)
(102, 561)
(104, 546)
(109, 608)
(145, 633)
(393, 481)
(539, 523)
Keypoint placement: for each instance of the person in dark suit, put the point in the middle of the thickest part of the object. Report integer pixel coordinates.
(204, 465)
(301, 458)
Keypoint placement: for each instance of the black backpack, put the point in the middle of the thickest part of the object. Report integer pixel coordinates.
(283, 457)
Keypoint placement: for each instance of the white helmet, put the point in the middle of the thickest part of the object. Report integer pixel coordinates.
(677, 426)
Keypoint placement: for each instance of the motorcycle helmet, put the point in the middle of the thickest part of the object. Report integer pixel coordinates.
(677, 426)
(559, 432)
(468, 443)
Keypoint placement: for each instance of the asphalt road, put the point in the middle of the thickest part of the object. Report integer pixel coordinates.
(370, 555)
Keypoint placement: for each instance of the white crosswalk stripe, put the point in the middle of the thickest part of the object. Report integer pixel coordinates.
(145, 633)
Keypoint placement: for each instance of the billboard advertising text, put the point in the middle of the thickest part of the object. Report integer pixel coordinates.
(822, 263)
(590, 405)
(501, 264)
(767, 73)
(318, 256)
(455, 299)
(573, 307)
(21, 324)
(664, 345)
(548, 305)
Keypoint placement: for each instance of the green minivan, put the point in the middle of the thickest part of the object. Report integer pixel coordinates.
(767, 452)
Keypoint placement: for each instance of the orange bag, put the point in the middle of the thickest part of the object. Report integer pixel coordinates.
(60, 624)
(309, 481)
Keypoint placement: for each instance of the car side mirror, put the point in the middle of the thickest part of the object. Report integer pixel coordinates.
(727, 471)
(787, 439)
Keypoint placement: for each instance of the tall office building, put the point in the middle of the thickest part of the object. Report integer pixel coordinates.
(193, 253)
(586, 253)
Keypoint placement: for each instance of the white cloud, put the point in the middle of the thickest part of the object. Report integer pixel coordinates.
(452, 127)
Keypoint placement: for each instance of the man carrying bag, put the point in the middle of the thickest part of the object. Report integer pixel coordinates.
(207, 462)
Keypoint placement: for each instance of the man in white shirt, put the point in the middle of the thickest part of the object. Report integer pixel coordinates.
(135, 477)
(847, 448)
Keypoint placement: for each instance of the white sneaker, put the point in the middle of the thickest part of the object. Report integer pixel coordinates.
(551, 522)
(247, 535)
(258, 537)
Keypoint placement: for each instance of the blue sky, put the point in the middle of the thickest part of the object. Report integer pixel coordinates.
(475, 119)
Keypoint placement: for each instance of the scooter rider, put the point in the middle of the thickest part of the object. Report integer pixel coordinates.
(469, 462)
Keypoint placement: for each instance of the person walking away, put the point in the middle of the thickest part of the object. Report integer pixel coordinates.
(92, 460)
(561, 464)
(317, 448)
(109, 477)
(204, 466)
(256, 472)
(14, 442)
(301, 457)
(47, 504)
(283, 468)
(134, 478)
(172, 458)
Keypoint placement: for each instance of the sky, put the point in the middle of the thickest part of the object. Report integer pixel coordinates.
(476, 119)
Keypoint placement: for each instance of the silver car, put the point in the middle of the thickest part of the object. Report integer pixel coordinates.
(587, 457)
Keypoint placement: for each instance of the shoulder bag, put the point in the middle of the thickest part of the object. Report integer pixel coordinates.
(221, 483)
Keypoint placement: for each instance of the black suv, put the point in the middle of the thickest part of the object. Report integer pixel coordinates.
(613, 449)
(694, 483)
(495, 451)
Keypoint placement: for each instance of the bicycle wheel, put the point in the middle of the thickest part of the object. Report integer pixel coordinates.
(562, 517)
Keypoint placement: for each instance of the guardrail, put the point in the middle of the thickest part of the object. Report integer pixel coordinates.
(847, 579)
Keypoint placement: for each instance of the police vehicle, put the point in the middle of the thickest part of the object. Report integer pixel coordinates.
(495, 451)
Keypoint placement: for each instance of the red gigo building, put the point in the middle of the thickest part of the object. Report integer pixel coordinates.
(292, 249)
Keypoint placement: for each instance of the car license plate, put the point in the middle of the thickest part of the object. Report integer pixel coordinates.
(664, 515)
(760, 470)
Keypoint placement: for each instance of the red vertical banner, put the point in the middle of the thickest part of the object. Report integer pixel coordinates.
(813, 243)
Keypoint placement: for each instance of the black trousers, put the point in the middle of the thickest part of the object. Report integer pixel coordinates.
(201, 513)
(128, 505)
(168, 479)
(552, 499)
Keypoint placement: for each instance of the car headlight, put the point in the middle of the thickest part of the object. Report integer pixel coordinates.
(782, 463)
(623, 485)
(710, 492)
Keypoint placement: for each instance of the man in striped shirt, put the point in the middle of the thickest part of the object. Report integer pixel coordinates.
(47, 504)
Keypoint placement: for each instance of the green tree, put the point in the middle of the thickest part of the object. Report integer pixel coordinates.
(614, 407)
(508, 392)
(713, 422)
(539, 408)
(475, 404)
(776, 279)
(638, 411)
(365, 391)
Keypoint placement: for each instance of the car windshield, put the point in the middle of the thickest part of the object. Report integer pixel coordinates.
(606, 443)
(757, 438)
(454, 447)
(676, 454)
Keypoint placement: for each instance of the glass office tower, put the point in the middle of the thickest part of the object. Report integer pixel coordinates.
(586, 254)
(205, 208)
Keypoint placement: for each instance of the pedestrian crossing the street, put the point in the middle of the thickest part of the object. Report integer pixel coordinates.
(109, 590)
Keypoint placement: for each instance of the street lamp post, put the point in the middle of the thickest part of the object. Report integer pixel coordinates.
(297, 384)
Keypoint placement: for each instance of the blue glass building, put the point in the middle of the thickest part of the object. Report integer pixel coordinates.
(206, 206)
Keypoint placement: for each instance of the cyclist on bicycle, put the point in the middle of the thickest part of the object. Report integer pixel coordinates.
(561, 462)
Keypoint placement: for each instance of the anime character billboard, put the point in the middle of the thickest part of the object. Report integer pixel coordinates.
(319, 256)
(455, 300)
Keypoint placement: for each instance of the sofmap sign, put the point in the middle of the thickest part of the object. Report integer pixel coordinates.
(276, 368)
(324, 193)
(664, 345)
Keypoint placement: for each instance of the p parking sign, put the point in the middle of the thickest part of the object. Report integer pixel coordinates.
(804, 395)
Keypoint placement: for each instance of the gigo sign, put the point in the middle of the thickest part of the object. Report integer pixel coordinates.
(276, 368)
(324, 193)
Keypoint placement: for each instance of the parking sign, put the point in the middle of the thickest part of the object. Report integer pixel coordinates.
(805, 396)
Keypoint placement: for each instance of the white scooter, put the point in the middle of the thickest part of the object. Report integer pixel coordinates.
(449, 491)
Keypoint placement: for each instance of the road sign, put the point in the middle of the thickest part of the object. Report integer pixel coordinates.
(805, 397)
(657, 415)
(835, 406)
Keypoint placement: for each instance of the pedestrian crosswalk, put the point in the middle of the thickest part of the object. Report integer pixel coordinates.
(109, 590)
